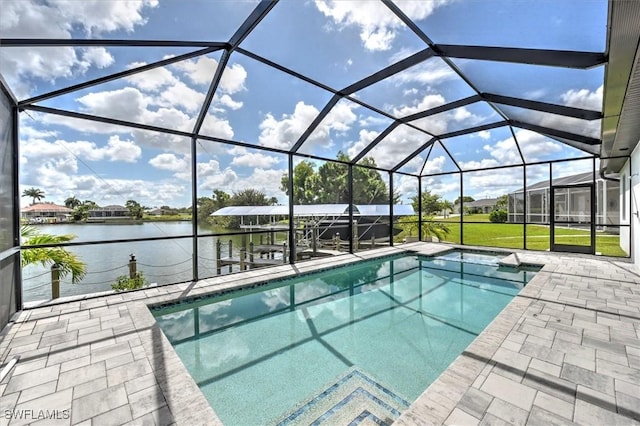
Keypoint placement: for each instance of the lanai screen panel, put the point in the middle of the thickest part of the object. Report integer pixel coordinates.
(544, 24)
(258, 104)
(428, 84)
(335, 43)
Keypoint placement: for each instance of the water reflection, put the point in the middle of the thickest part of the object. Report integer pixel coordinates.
(441, 288)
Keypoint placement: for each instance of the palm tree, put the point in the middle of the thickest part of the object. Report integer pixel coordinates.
(447, 207)
(69, 263)
(436, 229)
(35, 193)
(72, 202)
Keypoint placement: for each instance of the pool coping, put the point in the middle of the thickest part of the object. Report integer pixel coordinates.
(440, 403)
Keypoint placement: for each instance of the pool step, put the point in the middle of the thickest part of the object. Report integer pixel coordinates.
(354, 399)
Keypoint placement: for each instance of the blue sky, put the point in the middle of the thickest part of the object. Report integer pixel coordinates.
(335, 42)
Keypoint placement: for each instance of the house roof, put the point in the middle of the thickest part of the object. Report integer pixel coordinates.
(586, 177)
(46, 207)
(485, 202)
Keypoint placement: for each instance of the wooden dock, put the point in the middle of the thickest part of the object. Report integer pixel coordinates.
(252, 258)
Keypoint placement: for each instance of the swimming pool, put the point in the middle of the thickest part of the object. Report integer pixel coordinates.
(353, 343)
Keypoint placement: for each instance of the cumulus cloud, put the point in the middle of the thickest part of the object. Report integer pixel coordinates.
(125, 104)
(179, 95)
(435, 165)
(485, 134)
(399, 143)
(427, 102)
(252, 159)
(151, 80)
(377, 24)
(431, 72)
(63, 168)
(536, 147)
(365, 138)
(98, 56)
(230, 103)
(66, 153)
(171, 162)
(584, 98)
(283, 133)
(57, 20)
(201, 71)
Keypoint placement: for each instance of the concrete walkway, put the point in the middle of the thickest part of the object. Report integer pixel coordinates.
(566, 350)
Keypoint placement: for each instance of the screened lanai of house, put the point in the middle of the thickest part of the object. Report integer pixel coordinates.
(321, 102)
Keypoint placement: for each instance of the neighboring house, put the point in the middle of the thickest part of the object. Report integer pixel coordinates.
(484, 206)
(569, 206)
(45, 213)
(158, 212)
(107, 213)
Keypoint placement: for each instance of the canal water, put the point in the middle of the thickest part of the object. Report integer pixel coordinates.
(161, 262)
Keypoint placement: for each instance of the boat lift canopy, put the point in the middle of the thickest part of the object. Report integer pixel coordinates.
(315, 210)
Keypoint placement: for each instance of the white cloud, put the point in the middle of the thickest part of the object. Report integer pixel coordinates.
(378, 25)
(116, 191)
(584, 98)
(505, 151)
(233, 79)
(485, 134)
(535, 147)
(125, 104)
(435, 165)
(365, 138)
(119, 150)
(484, 184)
(265, 180)
(98, 56)
(180, 95)
(285, 132)
(230, 103)
(407, 186)
(225, 180)
(66, 153)
(216, 126)
(57, 20)
(202, 70)
(171, 162)
(254, 159)
(431, 72)
(199, 71)
(427, 102)
(397, 145)
(152, 80)
(479, 164)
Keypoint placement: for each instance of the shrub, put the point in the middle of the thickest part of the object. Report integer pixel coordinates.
(498, 216)
(124, 282)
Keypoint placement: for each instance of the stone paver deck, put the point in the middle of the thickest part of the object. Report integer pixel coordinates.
(566, 350)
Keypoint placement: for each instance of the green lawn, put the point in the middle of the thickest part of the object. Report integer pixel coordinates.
(508, 235)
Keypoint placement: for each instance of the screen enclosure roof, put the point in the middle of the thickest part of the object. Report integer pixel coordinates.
(409, 84)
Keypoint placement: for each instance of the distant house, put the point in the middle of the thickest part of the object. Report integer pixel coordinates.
(158, 212)
(108, 213)
(45, 213)
(569, 206)
(483, 206)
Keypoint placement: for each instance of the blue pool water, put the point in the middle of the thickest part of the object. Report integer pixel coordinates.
(345, 345)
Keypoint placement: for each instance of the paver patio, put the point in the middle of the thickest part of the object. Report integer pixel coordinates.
(566, 350)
